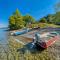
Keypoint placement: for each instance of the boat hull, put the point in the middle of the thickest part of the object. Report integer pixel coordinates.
(48, 43)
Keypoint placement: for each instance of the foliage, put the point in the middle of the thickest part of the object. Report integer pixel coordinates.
(34, 25)
(57, 18)
(28, 19)
(43, 20)
(16, 21)
(11, 22)
(51, 18)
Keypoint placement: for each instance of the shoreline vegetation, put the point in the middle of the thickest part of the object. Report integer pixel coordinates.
(17, 21)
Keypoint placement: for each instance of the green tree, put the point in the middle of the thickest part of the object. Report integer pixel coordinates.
(43, 20)
(11, 22)
(16, 20)
(28, 19)
(19, 23)
(57, 14)
(57, 18)
(50, 18)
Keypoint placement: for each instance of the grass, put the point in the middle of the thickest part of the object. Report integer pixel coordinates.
(43, 25)
(22, 52)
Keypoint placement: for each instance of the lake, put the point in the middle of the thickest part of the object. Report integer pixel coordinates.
(3, 36)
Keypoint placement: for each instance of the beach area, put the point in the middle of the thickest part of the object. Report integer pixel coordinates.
(28, 53)
(19, 47)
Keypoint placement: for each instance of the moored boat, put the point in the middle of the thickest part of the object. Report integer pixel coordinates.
(46, 39)
(20, 32)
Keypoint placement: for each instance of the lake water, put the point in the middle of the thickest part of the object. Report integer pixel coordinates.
(3, 36)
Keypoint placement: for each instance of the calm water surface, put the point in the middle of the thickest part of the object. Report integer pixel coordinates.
(3, 36)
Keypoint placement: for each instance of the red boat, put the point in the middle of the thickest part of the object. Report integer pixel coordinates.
(46, 39)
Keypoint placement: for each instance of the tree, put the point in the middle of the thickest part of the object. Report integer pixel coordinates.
(57, 18)
(28, 19)
(19, 23)
(17, 14)
(11, 22)
(57, 14)
(43, 20)
(16, 20)
(50, 18)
